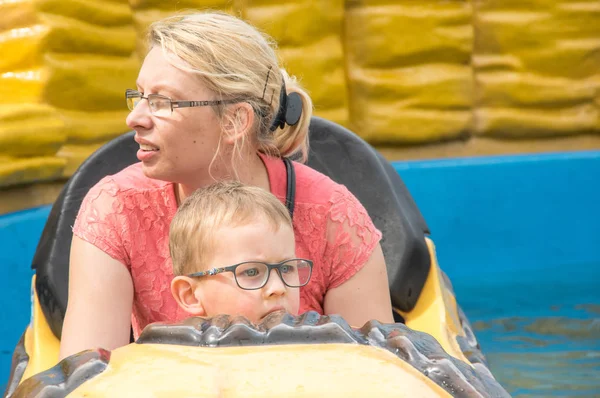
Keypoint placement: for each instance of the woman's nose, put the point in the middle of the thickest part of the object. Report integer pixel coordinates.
(274, 286)
(140, 116)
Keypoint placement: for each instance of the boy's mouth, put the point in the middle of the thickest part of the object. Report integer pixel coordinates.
(274, 312)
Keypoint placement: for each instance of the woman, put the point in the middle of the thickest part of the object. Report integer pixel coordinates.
(211, 104)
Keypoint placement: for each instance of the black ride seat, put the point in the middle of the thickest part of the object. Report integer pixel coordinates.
(335, 151)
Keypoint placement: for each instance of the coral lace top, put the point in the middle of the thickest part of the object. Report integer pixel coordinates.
(127, 215)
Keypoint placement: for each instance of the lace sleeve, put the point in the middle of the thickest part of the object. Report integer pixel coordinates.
(351, 237)
(101, 220)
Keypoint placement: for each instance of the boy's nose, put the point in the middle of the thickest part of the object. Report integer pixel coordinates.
(274, 286)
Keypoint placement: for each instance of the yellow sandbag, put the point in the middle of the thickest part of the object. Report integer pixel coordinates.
(94, 127)
(396, 35)
(408, 70)
(17, 13)
(21, 86)
(518, 43)
(180, 4)
(35, 131)
(537, 67)
(531, 122)
(32, 137)
(16, 112)
(74, 155)
(505, 89)
(89, 82)
(30, 130)
(576, 59)
(297, 22)
(319, 68)
(21, 48)
(96, 12)
(19, 170)
(426, 86)
(544, 21)
(385, 123)
(597, 101)
(76, 36)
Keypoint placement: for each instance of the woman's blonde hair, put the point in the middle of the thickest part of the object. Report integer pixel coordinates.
(224, 203)
(236, 61)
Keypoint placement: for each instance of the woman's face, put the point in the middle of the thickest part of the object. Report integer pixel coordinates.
(180, 147)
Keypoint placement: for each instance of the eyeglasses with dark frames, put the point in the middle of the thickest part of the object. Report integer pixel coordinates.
(161, 105)
(253, 275)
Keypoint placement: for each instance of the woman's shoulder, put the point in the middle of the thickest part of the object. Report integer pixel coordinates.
(314, 187)
(130, 188)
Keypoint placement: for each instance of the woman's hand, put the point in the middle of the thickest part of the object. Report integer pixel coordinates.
(365, 296)
(100, 301)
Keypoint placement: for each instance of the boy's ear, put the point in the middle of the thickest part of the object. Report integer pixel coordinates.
(242, 118)
(183, 289)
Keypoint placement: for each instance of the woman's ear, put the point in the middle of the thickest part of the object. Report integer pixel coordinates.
(239, 122)
(183, 289)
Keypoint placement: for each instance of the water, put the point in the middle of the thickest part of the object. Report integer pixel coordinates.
(542, 339)
(519, 238)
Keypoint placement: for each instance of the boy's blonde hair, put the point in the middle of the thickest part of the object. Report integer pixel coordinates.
(236, 61)
(225, 203)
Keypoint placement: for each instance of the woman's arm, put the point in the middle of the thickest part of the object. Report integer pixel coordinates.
(100, 301)
(365, 296)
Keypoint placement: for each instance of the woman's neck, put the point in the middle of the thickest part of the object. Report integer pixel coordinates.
(249, 169)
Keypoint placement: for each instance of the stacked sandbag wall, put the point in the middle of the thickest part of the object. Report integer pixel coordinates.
(432, 78)
(409, 72)
(62, 69)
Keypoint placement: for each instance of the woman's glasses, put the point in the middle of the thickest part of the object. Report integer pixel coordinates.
(163, 106)
(254, 275)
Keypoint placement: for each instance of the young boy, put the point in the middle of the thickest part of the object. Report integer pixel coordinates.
(233, 252)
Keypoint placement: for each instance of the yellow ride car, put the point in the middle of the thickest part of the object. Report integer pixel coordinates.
(430, 351)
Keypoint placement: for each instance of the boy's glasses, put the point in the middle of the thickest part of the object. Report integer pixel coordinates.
(254, 275)
(163, 106)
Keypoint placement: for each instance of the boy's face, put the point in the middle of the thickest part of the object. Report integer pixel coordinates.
(257, 241)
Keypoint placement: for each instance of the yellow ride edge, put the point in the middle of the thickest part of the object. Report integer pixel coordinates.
(41, 344)
(436, 312)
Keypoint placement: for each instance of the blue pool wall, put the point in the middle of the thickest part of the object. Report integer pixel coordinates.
(527, 219)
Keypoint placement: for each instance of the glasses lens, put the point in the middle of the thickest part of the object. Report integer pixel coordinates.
(132, 97)
(295, 273)
(159, 105)
(251, 275)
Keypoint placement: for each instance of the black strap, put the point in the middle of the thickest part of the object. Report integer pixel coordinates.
(291, 186)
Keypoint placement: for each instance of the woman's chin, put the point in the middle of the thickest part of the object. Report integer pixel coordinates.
(153, 171)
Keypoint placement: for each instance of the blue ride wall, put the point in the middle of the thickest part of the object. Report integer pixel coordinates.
(533, 216)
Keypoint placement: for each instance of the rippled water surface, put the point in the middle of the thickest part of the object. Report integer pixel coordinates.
(541, 339)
